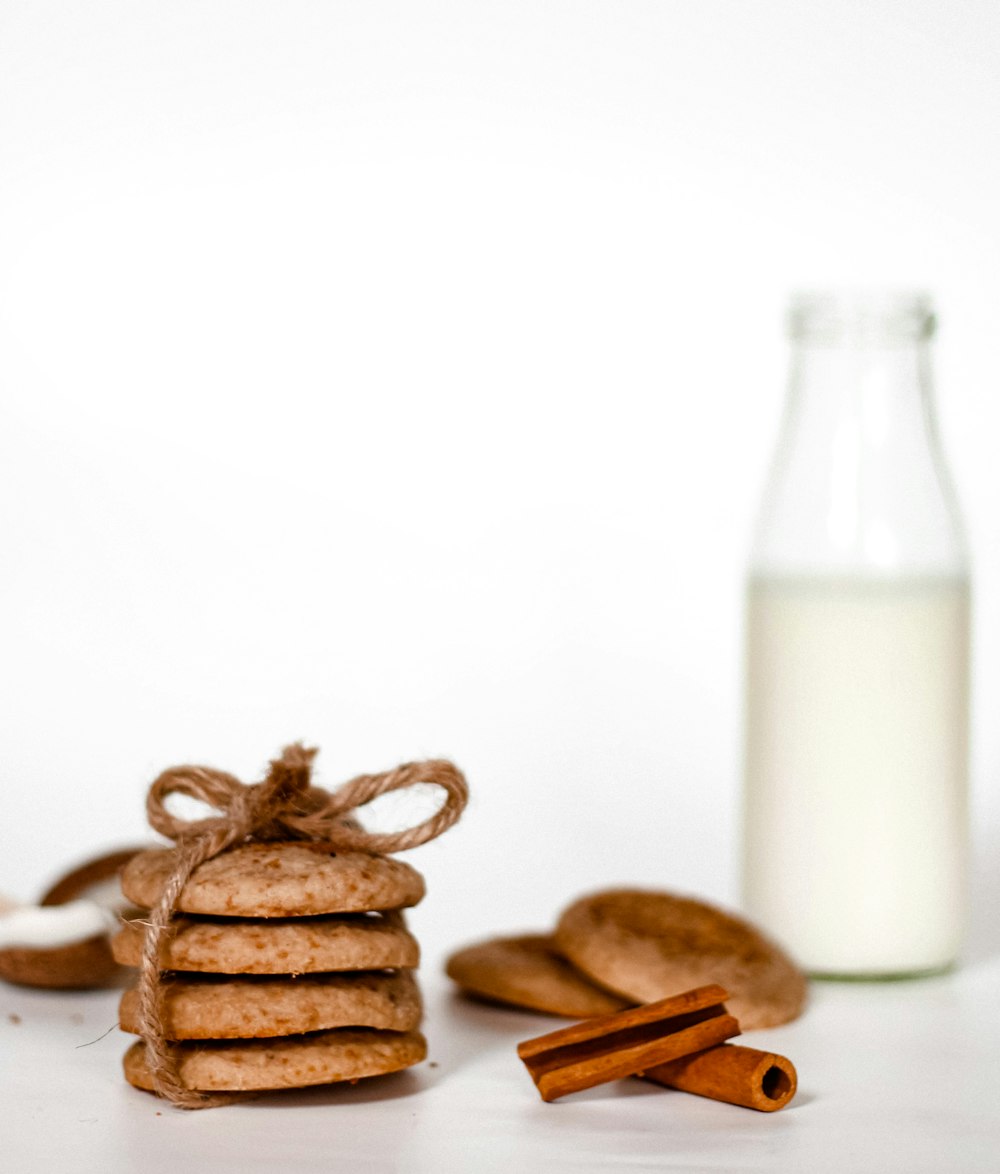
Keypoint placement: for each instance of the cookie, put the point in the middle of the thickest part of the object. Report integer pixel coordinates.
(96, 879)
(649, 945)
(302, 945)
(288, 878)
(206, 1007)
(529, 972)
(294, 1062)
(62, 943)
(76, 966)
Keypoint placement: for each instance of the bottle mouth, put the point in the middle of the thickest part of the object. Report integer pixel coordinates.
(860, 317)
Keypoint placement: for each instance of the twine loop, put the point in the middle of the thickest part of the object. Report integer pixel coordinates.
(285, 805)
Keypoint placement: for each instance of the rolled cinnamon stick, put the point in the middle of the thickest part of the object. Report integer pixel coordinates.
(626, 1043)
(731, 1073)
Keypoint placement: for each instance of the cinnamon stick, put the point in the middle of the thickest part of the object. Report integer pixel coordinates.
(731, 1073)
(627, 1043)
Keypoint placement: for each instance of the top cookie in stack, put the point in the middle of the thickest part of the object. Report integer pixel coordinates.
(288, 964)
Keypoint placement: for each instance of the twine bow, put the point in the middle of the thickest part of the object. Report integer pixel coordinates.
(284, 806)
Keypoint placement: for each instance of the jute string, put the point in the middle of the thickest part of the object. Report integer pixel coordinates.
(284, 806)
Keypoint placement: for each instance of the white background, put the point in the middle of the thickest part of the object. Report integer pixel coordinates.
(401, 377)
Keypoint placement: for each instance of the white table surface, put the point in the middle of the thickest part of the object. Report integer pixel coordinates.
(901, 1076)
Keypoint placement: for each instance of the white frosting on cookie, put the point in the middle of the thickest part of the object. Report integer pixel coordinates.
(49, 926)
(107, 893)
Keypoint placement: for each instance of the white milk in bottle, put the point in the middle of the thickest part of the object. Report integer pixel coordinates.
(857, 659)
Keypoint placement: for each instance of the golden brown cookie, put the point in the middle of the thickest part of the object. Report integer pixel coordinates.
(288, 878)
(74, 964)
(529, 972)
(649, 945)
(294, 1062)
(298, 945)
(206, 1007)
(87, 878)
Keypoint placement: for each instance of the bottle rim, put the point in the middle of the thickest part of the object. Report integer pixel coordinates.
(860, 316)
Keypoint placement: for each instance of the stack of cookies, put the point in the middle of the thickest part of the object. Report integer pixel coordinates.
(288, 964)
(621, 947)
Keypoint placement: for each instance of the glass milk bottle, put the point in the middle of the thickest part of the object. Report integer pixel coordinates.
(857, 657)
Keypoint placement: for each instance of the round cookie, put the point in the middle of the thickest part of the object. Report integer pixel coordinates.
(649, 945)
(286, 878)
(76, 966)
(295, 1062)
(92, 875)
(529, 972)
(300, 945)
(83, 963)
(253, 1008)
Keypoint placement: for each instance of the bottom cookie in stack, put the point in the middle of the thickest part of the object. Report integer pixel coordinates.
(288, 965)
(325, 1057)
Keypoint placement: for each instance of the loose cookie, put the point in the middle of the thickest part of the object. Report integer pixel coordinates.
(300, 945)
(293, 1062)
(529, 972)
(75, 966)
(286, 878)
(205, 1007)
(63, 942)
(649, 945)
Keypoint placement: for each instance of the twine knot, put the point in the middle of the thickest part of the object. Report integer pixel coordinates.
(285, 805)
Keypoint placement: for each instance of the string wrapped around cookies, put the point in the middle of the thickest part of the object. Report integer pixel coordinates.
(275, 953)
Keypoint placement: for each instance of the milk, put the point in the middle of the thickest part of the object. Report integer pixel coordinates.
(856, 764)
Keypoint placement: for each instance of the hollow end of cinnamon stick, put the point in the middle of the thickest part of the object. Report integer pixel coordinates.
(731, 1073)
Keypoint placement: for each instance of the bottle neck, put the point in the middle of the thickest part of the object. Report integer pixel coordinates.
(858, 485)
(860, 399)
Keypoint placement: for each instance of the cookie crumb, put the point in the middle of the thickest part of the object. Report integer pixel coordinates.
(433, 1064)
(76, 1017)
(14, 1018)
